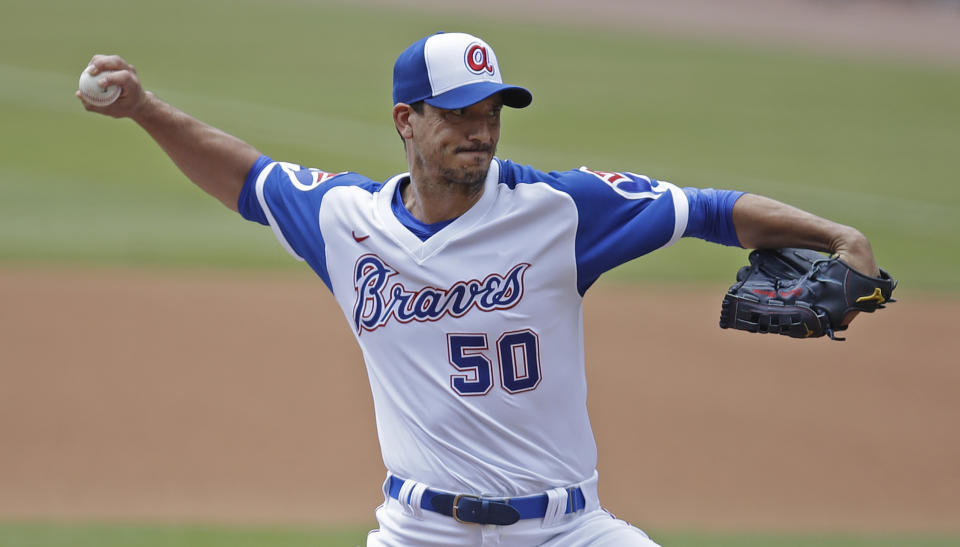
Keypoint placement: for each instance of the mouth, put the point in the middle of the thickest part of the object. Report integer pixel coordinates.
(474, 150)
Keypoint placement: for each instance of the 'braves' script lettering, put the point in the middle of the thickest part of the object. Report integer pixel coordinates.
(378, 300)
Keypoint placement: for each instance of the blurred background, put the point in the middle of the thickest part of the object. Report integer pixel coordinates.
(846, 108)
(166, 366)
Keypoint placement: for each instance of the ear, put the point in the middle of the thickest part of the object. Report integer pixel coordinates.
(401, 119)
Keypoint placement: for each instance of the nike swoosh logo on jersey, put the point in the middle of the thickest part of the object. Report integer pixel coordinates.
(357, 238)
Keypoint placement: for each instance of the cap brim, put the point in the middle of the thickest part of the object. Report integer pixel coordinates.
(464, 96)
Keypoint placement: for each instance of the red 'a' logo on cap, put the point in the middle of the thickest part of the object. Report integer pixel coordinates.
(478, 59)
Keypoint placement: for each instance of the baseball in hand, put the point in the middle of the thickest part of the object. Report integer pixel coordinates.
(91, 90)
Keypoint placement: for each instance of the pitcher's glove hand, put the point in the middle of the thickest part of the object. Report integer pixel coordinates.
(801, 293)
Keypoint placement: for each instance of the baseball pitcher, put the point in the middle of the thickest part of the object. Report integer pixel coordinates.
(462, 280)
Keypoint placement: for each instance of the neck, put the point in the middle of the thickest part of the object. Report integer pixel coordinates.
(434, 199)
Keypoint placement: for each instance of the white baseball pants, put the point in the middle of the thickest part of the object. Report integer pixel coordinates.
(403, 525)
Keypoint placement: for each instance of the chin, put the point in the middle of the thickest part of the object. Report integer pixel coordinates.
(468, 176)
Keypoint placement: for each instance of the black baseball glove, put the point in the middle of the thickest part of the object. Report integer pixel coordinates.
(801, 293)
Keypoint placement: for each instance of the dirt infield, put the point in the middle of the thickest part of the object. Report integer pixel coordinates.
(210, 398)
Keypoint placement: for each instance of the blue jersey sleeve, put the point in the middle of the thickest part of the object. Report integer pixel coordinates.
(711, 215)
(247, 203)
(622, 216)
(287, 197)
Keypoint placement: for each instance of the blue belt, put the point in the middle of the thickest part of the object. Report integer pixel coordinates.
(477, 510)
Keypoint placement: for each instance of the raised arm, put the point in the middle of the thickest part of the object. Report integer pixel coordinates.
(215, 161)
(763, 223)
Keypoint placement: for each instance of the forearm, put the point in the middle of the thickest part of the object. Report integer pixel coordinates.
(214, 160)
(763, 223)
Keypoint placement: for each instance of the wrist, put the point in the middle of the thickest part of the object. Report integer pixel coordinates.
(854, 248)
(146, 109)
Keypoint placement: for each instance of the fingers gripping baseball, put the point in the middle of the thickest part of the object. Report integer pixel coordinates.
(110, 70)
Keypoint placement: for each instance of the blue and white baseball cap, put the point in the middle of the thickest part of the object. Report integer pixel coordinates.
(452, 70)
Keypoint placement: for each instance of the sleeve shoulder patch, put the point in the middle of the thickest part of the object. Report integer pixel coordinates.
(306, 179)
(630, 185)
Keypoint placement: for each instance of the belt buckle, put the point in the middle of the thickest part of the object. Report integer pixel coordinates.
(456, 501)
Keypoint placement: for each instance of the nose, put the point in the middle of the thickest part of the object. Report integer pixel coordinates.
(479, 132)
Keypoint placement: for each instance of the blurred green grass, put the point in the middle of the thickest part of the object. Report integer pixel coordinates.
(49, 534)
(866, 143)
(156, 535)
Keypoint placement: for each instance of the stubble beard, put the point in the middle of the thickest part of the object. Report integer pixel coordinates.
(471, 176)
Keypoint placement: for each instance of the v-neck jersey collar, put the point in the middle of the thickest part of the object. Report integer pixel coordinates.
(422, 250)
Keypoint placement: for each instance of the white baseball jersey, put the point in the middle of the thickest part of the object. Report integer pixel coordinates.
(471, 329)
